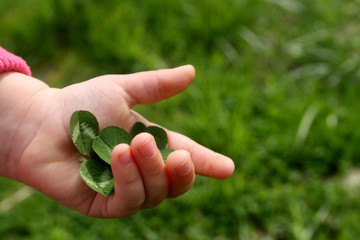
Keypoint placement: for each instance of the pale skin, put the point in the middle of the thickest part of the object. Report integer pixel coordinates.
(36, 146)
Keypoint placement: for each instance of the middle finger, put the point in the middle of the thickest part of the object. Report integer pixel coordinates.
(152, 169)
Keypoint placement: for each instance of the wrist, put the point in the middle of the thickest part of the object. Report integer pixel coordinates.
(16, 93)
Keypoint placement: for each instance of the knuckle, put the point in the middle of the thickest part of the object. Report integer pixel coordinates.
(161, 91)
(155, 201)
(132, 179)
(155, 172)
(133, 205)
(181, 188)
(188, 186)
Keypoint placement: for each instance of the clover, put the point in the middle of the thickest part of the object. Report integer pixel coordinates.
(96, 148)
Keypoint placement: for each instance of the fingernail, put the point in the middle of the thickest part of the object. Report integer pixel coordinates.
(148, 149)
(184, 168)
(125, 156)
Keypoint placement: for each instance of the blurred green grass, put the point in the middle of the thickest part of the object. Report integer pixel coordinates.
(276, 90)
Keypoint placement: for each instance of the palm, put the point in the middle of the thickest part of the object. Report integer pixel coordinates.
(50, 164)
(56, 164)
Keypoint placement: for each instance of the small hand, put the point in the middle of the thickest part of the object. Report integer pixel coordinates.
(49, 163)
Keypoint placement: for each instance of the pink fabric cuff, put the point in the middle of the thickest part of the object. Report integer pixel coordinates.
(11, 62)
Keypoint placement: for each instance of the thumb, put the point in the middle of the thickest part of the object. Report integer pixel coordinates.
(154, 86)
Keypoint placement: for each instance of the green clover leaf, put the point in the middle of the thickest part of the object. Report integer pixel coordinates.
(83, 129)
(97, 175)
(165, 153)
(107, 140)
(158, 133)
(96, 148)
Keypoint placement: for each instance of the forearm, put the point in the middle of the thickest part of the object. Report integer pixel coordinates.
(16, 92)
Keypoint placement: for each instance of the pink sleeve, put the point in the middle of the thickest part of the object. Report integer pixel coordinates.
(11, 62)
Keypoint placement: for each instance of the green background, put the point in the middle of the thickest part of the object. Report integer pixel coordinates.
(276, 90)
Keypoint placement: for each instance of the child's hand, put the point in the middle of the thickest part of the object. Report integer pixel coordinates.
(38, 150)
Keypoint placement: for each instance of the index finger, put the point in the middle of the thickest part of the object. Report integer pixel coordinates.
(206, 162)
